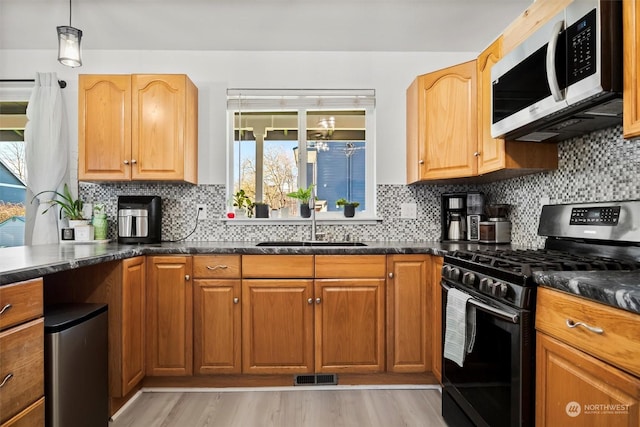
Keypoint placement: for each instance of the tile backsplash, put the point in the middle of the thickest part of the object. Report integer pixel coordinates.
(600, 166)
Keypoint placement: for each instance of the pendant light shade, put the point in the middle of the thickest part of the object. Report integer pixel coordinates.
(69, 39)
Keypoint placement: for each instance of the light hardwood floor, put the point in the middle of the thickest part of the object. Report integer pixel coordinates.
(284, 408)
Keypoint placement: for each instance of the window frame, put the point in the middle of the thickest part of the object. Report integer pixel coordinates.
(302, 102)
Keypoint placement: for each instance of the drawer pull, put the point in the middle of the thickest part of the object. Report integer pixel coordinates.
(594, 329)
(5, 308)
(7, 378)
(216, 267)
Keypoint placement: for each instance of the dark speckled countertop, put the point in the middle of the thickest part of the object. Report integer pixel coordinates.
(619, 289)
(27, 262)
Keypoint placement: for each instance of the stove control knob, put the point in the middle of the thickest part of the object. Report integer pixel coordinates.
(468, 278)
(454, 274)
(446, 270)
(486, 284)
(502, 290)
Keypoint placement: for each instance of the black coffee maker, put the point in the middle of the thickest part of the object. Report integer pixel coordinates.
(461, 214)
(139, 219)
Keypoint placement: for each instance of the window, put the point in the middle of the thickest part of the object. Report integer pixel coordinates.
(288, 139)
(12, 172)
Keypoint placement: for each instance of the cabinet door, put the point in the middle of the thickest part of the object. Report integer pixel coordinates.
(216, 326)
(490, 150)
(277, 326)
(631, 91)
(169, 316)
(449, 102)
(575, 389)
(163, 127)
(349, 325)
(436, 307)
(409, 322)
(104, 127)
(133, 323)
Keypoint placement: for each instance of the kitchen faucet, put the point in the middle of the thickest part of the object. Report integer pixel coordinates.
(312, 206)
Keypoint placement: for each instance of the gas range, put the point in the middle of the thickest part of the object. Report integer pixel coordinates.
(503, 274)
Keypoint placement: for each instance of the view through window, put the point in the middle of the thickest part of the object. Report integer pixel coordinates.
(273, 139)
(13, 173)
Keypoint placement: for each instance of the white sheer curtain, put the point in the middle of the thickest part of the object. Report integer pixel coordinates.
(47, 154)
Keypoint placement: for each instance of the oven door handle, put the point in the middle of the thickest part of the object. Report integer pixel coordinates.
(510, 317)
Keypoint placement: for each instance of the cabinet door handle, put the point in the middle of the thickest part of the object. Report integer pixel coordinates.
(7, 378)
(594, 329)
(391, 275)
(421, 162)
(476, 154)
(5, 308)
(310, 301)
(236, 300)
(318, 300)
(216, 267)
(126, 162)
(187, 277)
(133, 161)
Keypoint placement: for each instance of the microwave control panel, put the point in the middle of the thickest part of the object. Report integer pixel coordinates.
(581, 48)
(605, 215)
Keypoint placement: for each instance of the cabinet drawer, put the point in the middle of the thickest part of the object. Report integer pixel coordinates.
(618, 343)
(33, 416)
(277, 266)
(22, 357)
(216, 266)
(21, 302)
(350, 266)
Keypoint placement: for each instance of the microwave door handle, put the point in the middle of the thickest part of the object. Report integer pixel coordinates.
(552, 78)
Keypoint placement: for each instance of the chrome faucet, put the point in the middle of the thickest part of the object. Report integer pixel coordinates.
(312, 206)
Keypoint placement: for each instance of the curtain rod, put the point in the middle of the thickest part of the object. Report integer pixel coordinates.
(61, 83)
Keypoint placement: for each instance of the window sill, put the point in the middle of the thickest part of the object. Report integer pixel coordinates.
(302, 221)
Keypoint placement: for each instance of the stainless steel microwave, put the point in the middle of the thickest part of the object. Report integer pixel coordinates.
(565, 79)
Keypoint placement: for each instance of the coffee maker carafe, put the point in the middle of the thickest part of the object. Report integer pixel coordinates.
(139, 219)
(455, 231)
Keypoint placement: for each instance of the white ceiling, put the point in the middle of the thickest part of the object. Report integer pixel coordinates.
(283, 25)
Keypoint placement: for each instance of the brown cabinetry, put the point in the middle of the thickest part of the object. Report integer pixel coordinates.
(22, 353)
(587, 369)
(409, 313)
(132, 354)
(442, 120)
(436, 331)
(216, 314)
(137, 127)
(277, 314)
(169, 307)
(631, 90)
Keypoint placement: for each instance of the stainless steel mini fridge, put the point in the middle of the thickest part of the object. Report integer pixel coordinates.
(76, 381)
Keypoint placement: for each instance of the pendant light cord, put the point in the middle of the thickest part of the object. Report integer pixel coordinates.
(70, 14)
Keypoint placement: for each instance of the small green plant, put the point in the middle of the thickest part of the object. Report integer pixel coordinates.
(242, 201)
(71, 208)
(344, 202)
(302, 194)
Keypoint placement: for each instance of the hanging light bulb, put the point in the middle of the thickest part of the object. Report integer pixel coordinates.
(69, 44)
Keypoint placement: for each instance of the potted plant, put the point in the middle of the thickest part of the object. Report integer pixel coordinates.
(69, 207)
(349, 207)
(303, 195)
(242, 204)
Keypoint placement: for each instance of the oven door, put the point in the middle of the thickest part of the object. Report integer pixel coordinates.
(495, 385)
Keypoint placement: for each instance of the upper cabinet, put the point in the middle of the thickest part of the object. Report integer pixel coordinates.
(441, 124)
(137, 127)
(631, 92)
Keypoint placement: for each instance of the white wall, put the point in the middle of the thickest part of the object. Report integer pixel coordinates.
(389, 73)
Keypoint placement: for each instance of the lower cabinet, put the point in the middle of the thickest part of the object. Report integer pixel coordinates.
(132, 355)
(576, 389)
(409, 317)
(169, 311)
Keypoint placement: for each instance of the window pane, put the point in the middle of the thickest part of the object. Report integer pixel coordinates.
(12, 173)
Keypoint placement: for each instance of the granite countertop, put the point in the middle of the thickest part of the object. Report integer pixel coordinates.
(27, 262)
(620, 289)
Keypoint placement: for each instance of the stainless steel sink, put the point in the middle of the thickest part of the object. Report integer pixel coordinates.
(310, 243)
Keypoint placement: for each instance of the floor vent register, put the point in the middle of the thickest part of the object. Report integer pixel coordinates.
(315, 379)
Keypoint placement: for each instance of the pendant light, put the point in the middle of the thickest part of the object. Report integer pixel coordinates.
(69, 44)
